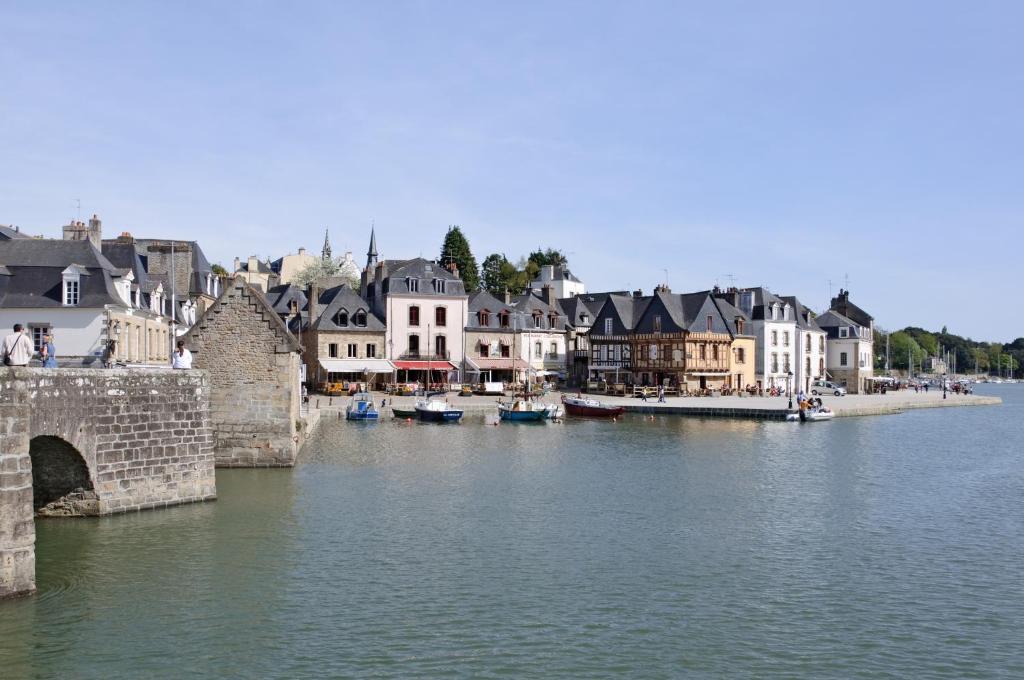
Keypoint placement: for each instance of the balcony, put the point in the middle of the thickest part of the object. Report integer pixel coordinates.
(416, 356)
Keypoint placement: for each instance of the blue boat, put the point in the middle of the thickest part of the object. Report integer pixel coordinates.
(361, 407)
(523, 410)
(437, 411)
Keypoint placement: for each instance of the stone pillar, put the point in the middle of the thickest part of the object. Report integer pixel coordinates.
(17, 524)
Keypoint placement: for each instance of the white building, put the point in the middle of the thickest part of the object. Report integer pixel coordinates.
(850, 344)
(561, 280)
(425, 309)
(541, 334)
(773, 322)
(811, 347)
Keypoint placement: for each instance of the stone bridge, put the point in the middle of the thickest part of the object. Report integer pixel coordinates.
(96, 442)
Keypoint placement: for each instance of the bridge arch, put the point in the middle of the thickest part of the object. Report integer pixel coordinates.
(61, 481)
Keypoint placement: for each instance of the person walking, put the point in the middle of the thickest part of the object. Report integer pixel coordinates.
(182, 358)
(48, 353)
(17, 348)
(661, 394)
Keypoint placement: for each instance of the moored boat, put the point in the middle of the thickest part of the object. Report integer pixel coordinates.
(811, 415)
(361, 407)
(403, 412)
(523, 410)
(437, 411)
(590, 408)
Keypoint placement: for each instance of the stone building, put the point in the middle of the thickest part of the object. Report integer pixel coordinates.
(193, 278)
(256, 273)
(343, 340)
(254, 364)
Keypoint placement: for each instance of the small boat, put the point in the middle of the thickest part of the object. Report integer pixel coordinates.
(555, 411)
(523, 410)
(811, 415)
(361, 407)
(403, 412)
(590, 408)
(437, 411)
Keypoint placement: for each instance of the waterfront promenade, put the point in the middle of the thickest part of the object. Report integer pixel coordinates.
(771, 408)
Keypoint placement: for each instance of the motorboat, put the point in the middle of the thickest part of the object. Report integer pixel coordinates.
(523, 410)
(403, 412)
(590, 408)
(811, 415)
(361, 407)
(437, 411)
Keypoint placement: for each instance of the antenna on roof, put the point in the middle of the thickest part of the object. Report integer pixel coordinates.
(732, 280)
(830, 289)
(79, 202)
(846, 278)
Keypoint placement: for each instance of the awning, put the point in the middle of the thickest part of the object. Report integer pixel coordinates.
(361, 366)
(500, 363)
(424, 365)
(471, 366)
(545, 372)
(708, 374)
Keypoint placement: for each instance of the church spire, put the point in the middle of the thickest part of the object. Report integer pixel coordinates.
(371, 254)
(325, 255)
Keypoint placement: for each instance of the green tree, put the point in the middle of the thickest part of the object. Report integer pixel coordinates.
(903, 348)
(549, 256)
(456, 249)
(219, 270)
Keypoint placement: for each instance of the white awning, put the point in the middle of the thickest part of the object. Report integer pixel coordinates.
(472, 366)
(361, 366)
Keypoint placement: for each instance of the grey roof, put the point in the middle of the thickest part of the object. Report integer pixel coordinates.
(833, 319)
(588, 304)
(343, 298)
(624, 310)
(559, 274)
(125, 255)
(532, 305)
(261, 267)
(36, 267)
(401, 271)
(482, 300)
(7, 233)
(280, 297)
(804, 316)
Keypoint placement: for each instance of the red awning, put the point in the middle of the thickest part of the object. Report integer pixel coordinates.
(424, 365)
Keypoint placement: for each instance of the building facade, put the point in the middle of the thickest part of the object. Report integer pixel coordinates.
(344, 340)
(850, 344)
(563, 282)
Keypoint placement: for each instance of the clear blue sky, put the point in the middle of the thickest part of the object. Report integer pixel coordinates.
(784, 143)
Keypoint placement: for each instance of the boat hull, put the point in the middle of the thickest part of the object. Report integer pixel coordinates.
(590, 411)
(404, 412)
(446, 416)
(522, 416)
(361, 415)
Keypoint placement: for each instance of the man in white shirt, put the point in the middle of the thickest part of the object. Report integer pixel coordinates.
(182, 358)
(17, 348)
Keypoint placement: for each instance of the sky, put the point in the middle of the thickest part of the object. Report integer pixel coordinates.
(805, 146)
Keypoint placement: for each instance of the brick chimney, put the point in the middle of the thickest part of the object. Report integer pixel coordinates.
(313, 302)
(78, 231)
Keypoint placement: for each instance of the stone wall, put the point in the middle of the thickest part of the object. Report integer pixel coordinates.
(17, 528)
(144, 436)
(254, 368)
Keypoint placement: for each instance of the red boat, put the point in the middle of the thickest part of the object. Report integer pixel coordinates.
(591, 408)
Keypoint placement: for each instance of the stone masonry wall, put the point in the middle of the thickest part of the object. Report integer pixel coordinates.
(145, 436)
(253, 363)
(17, 527)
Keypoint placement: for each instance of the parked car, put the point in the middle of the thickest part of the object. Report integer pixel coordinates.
(825, 386)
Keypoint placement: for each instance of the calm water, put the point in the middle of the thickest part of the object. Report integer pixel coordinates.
(864, 547)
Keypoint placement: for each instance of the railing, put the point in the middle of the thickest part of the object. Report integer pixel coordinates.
(416, 356)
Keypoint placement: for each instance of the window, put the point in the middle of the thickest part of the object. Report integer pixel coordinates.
(775, 338)
(371, 350)
(484, 317)
(844, 332)
(485, 350)
(740, 356)
(353, 350)
(775, 312)
(332, 350)
(657, 324)
(538, 350)
(360, 318)
(785, 362)
(71, 291)
(703, 351)
(608, 326)
(807, 345)
(786, 312)
(714, 352)
(414, 316)
(652, 352)
(554, 350)
(506, 351)
(538, 320)
(775, 362)
(584, 318)
(503, 319)
(821, 344)
(37, 336)
(439, 286)
(441, 315)
(711, 322)
(341, 318)
(414, 344)
(843, 360)
(785, 338)
(821, 368)
(739, 326)
(413, 284)
(863, 359)
(440, 346)
(807, 366)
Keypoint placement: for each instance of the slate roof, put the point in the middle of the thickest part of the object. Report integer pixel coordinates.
(125, 255)
(343, 298)
(281, 296)
(529, 304)
(36, 279)
(261, 267)
(804, 316)
(589, 304)
(482, 300)
(399, 271)
(560, 274)
(7, 233)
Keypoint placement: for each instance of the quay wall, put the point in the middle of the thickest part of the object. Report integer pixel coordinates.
(17, 526)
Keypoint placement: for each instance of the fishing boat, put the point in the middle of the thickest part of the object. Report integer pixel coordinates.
(590, 408)
(523, 410)
(403, 412)
(361, 407)
(437, 411)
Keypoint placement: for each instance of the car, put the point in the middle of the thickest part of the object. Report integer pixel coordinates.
(824, 387)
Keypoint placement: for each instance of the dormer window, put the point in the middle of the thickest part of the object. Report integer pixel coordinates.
(775, 312)
(844, 332)
(484, 317)
(538, 320)
(739, 326)
(341, 318)
(608, 326)
(360, 318)
(72, 286)
(503, 319)
(439, 286)
(711, 323)
(657, 324)
(786, 311)
(413, 284)
(584, 318)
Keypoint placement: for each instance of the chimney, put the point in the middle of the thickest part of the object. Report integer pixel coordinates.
(508, 297)
(238, 265)
(302, 251)
(454, 269)
(126, 237)
(547, 272)
(313, 304)
(548, 293)
(638, 293)
(253, 264)
(95, 232)
(663, 288)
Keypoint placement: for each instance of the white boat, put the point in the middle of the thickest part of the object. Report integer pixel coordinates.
(811, 415)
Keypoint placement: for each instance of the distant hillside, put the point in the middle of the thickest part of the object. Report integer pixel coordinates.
(920, 343)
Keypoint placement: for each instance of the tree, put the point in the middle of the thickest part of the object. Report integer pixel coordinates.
(903, 347)
(456, 249)
(219, 270)
(550, 256)
(323, 269)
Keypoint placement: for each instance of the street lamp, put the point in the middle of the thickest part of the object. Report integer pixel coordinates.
(789, 382)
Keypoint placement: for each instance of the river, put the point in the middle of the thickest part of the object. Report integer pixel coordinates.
(863, 547)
